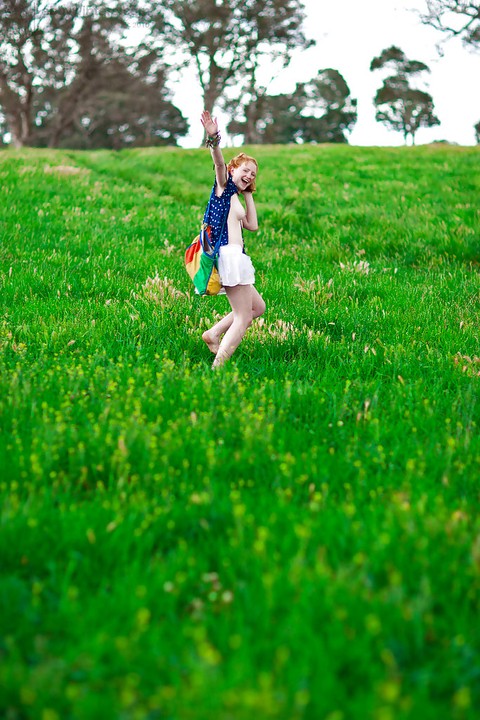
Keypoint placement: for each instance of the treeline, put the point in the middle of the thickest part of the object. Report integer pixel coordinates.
(75, 74)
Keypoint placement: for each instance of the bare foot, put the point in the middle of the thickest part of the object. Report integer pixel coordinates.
(212, 342)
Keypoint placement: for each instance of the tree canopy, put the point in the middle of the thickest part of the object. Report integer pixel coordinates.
(455, 18)
(63, 67)
(318, 111)
(227, 41)
(68, 76)
(400, 106)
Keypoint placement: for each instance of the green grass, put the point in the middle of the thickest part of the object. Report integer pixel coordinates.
(295, 537)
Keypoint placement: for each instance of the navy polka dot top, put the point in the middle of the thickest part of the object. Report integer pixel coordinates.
(218, 209)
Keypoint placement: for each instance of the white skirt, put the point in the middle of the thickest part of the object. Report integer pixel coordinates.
(234, 267)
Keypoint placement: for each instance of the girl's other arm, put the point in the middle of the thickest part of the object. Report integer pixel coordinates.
(250, 221)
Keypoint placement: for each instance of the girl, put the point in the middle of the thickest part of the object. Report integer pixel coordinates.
(234, 266)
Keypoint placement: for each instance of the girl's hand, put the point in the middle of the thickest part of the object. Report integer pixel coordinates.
(210, 124)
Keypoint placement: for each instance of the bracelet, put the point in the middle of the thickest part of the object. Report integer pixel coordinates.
(213, 141)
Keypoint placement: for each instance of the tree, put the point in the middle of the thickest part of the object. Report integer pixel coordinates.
(318, 111)
(455, 18)
(59, 61)
(403, 108)
(328, 92)
(126, 110)
(268, 119)
(37, 62)
(399, 105)
(227, 41)
(477, 132)
(3, 128)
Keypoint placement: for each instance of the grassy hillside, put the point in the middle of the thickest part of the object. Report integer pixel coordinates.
(294, 537)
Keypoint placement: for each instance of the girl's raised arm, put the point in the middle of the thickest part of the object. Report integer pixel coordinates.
(213, 142)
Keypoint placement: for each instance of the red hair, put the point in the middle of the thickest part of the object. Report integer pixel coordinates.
(240, 160)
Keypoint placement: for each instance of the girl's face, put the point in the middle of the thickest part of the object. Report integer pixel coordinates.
(244, 175)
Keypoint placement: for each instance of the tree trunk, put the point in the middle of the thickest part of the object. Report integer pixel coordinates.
(16, 141)
(249, 136)
(16, 111)
(18, 128)
(75, 95)
(210, 97)
(65, 120)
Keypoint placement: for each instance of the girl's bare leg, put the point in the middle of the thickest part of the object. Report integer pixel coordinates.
(246, 304)
(212, 337)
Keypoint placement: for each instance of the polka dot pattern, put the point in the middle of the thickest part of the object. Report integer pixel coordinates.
(218, 209)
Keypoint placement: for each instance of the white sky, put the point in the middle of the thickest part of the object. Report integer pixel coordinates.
(349, 33)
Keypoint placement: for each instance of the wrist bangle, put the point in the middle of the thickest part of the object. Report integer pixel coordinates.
(213, 141)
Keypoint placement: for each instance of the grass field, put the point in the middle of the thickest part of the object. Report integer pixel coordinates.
(294, 537)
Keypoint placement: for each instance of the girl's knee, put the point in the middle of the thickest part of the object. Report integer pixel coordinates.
(243, 320)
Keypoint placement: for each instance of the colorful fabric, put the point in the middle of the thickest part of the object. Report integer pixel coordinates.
(201, 264)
